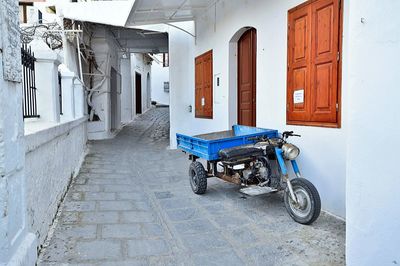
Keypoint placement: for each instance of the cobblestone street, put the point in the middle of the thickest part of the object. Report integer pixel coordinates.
(132, 204)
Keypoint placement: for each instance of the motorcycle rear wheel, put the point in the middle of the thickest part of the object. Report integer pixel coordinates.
(198, 178)
(308, 208)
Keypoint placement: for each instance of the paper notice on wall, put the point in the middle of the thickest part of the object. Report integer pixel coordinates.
(203, 101)
(298, 96)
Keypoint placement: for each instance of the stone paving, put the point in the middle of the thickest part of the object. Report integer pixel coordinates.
(132, 205)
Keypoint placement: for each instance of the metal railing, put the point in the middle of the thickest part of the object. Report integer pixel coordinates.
(29, 103)
(60, 92)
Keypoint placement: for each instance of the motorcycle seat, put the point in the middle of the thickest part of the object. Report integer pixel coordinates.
(240, 152)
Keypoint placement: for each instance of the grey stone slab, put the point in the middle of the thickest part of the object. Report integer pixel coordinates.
(218, 258)
(115, 206)
(152, 230)
(69, 218)
(194, 227)
(67, 232)
(121, 231)
(84, 188)
(119, 188)
(151, 247)
(99, 250)
(176, 203)
(206, 241)
(135, 195)
(105, 217)
(127, 262)
(138, 217)
(79, 206)
(100, 196)
(183, 214)
(231, 220)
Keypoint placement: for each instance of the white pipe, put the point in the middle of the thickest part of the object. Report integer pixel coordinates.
(79, 53)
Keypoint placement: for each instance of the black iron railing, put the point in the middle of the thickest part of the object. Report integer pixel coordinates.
(29, 103)
(60, 92)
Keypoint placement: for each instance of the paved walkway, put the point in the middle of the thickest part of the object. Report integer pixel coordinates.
(132, 205)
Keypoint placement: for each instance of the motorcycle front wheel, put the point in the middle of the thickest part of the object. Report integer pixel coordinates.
(308, 207)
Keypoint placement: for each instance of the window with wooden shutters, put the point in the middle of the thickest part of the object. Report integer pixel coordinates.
(313, 81)
(204, 85)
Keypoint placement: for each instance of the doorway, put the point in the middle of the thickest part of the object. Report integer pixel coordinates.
(148, 91)
(247, 49)
(114, 99)
(138, 90)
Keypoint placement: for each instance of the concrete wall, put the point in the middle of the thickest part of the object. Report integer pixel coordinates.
(160, 75)
(181, 82)
(106, 53)
(53, 156)
(127, 91)
(372, 215)
(323, 149)
(17, 244)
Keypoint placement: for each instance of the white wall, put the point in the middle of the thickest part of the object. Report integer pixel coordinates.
(160, 75)
(323, 149)
(53, 156)
(181, 81)
(373, 179)
(17, 244)
(126, 91)
(106, 54)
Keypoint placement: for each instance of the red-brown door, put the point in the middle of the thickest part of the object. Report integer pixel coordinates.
(247, 78)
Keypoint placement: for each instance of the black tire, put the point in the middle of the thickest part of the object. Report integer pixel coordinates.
(310, 207)
(198, 178)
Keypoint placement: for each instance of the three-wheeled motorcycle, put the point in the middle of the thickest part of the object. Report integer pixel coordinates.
(256, 159)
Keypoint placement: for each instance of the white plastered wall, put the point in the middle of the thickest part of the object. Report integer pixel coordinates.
(106, 52)
(160, 75)
(126, 91)
(323, 156)
(372, 78)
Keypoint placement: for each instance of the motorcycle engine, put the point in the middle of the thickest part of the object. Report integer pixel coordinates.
(258, 172)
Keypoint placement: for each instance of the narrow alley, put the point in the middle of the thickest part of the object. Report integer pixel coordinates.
(132, 205)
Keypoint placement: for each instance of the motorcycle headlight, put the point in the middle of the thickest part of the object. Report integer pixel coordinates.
(290, 151)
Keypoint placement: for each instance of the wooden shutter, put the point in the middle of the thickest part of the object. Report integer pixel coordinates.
(204, 85)
(314, 35)
(299, 57)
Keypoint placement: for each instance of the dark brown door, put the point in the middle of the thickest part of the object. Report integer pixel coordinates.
(138, 88)
(247, 78)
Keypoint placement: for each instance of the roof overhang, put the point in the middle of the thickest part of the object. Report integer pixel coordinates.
(131, 13)
(113, 13)
(166, 11)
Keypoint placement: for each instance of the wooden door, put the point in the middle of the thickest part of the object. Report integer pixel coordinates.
(247, 78)
(138, 89)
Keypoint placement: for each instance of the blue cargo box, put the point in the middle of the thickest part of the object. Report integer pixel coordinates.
(207, 146)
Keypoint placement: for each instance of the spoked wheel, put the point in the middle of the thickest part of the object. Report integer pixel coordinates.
(308, 208)
(198, 178)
